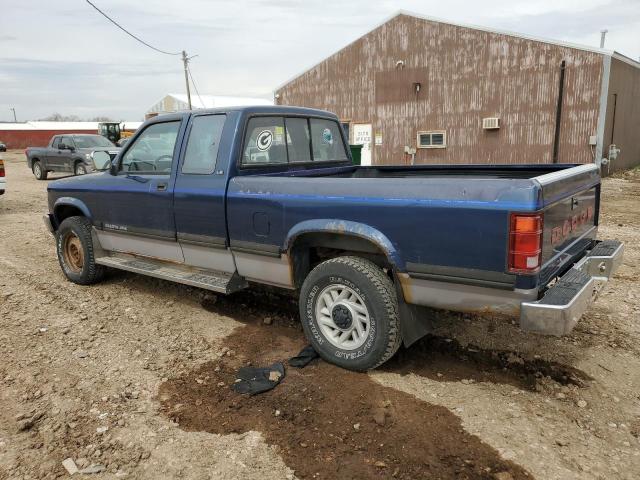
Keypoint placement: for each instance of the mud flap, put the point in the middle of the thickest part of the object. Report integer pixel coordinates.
(415, 322)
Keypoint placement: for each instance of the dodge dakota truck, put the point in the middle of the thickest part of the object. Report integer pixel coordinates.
(71, 153)
(226, 198)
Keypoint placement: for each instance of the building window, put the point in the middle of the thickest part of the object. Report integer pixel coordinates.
(435, 139)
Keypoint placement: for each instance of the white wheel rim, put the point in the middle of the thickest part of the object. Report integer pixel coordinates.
(339, 303)
(37, 169)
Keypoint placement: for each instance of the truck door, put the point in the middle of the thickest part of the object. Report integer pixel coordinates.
(51, 154)
(56, 155)
(199, 194)
(63, 159)
(134, 209)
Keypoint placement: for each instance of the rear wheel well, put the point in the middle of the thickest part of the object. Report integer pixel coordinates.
(311, 249)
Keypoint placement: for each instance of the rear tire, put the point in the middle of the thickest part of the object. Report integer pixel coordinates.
(349, 312)
(80, 169)
(39, 172)
(75, 251)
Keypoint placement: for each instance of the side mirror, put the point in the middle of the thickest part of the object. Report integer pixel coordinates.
(113, 168)
(101, 160)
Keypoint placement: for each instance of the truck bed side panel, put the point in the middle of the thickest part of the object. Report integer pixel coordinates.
(434, 222)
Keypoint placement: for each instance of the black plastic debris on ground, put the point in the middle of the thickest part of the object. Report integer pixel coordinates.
(253, 380)
(306, 355)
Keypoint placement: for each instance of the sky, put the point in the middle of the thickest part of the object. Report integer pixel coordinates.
(62, 56)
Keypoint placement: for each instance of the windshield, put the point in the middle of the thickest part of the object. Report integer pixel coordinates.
(91, 141)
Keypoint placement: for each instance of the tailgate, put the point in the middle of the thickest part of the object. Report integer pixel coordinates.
(570, 199)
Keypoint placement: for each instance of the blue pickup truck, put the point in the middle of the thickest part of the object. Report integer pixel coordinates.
(222, 199)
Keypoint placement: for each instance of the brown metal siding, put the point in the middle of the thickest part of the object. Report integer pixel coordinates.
(464, 75)
(624, 82)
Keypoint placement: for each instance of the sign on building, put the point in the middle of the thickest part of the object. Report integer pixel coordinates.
(362, 136)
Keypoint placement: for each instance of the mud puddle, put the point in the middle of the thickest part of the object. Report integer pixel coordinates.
(445, 359)
(434, 357)
(327, 422)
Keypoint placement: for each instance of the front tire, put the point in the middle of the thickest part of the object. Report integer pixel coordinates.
(80, 169)
(349, 312)
(75, 251)
(38, 172)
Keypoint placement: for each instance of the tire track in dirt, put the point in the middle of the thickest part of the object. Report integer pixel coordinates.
(327, 422)
(445, 359)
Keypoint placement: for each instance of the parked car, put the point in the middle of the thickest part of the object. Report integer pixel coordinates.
(3, 146)
(3, 180)
(73, 153)
(220, 199)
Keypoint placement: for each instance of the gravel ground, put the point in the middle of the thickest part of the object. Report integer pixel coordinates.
(129, 378)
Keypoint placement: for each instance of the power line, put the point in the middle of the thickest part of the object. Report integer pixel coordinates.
(129, 33)
(195, 86)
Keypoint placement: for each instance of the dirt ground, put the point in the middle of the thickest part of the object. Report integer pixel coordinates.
(131, 378)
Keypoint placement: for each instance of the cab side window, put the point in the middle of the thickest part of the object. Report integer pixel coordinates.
(202, 148)
(66, 142)
(56, 142)
(264, 142)
(152, 151)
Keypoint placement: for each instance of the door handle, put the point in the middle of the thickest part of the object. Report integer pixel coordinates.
(161, 187)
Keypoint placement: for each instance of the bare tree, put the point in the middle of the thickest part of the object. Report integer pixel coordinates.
(58, 117)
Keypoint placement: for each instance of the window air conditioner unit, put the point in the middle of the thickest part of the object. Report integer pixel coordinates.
(491, 123)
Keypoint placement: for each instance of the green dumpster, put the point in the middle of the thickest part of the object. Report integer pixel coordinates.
(356, 153)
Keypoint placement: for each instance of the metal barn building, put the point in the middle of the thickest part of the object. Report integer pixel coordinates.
(422, 90)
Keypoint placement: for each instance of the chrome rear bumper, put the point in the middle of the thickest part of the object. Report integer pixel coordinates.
(562, 305)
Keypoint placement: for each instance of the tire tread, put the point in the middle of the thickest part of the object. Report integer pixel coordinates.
(387, 292)
(43, 172)
(95, 272)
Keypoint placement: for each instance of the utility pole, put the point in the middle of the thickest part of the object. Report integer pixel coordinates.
(603, 34)
(185, 60)
(15, 120)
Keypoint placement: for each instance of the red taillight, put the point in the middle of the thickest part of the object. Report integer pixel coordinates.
(1, 168)
(525, 242)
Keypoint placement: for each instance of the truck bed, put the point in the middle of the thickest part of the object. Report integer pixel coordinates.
(439, 216)
(476, 171)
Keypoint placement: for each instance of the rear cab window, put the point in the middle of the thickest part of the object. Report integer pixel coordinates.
(282, 140)
(327, 141)
(264, 142)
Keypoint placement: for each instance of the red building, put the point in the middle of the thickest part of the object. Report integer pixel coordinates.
(38, 134)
